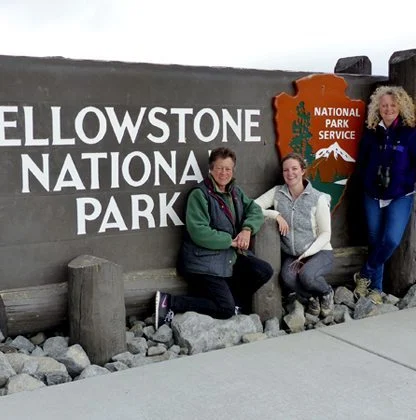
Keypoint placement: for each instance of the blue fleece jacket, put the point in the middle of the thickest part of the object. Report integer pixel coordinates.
(387, 161)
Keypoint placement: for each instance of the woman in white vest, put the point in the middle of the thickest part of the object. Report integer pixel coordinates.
(303, 217)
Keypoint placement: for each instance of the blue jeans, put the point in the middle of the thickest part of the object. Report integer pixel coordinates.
(385, 230)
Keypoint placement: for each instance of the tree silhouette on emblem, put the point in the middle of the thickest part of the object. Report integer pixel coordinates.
(301, 134)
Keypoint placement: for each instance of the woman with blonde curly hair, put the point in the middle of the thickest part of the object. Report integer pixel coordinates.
(386, 164)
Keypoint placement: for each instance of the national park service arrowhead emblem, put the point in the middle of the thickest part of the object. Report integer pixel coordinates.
(322, 124)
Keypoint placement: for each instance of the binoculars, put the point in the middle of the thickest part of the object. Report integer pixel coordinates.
(383, 177)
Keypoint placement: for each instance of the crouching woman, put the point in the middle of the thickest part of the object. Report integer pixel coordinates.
(303, 217)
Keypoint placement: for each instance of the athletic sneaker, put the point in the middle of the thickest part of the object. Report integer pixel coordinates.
(314, 308)
(327, 304)
(375, 297)
(361, 286)
(163, 313)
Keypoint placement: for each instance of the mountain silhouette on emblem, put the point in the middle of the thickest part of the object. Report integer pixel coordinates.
(332, 164)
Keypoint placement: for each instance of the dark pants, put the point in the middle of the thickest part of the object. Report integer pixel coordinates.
(310, 280)
(385, 230)
(218, 296)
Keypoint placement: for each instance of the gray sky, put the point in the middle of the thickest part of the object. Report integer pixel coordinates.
(264, 34)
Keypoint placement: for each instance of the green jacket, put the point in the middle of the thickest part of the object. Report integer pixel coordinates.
(213, 220)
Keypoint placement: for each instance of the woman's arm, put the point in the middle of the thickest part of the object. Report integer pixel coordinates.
(266, 201)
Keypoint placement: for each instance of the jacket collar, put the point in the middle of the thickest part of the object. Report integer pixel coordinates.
(308, 188)
(211, 184)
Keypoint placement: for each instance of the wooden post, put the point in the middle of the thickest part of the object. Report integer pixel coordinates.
(353, 65)
(400, 271)
(267, 301)
(96, 311)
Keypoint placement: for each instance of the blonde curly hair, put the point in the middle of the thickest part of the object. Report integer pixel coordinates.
(402, 99)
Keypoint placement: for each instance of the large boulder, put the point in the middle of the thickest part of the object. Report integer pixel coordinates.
(200, 333)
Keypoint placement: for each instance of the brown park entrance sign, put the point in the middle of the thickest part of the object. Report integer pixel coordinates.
(322, 124)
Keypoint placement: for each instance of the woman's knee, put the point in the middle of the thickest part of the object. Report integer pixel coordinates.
(306, 278)
(265, 273)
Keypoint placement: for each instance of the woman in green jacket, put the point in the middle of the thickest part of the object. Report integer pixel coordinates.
(215, 259)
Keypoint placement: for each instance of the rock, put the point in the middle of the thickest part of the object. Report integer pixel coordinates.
(156, 350)
(137, 329)
(138, 345)
(341, 314)
(184, 351)
(30, 366)
(151, 343)
(38, 352)
(386, 308)
(252, 337)
(45, 364)
(17, 360)
(48, 366)
(149, 331)
(125, 357)
(56, 378)
(75, 359)
(164, 335)
(393, 300)
(23, 344)
(38, 339)
(23, 382)
(295, 320)
(310, 319)
(364, 308)
(328, 320)
(162, 357)
(140, 360)
(344, 296)
(409, 301)
(6, 370)
(55, 346)
(93, 370)
(272, 327)
(132, 320)
(201, 333)
(115, 366)
(5, 348)
(129, 336)
(175, 349)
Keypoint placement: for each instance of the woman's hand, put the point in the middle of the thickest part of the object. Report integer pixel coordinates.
(283, 226)
(296, 266)
(242, 240)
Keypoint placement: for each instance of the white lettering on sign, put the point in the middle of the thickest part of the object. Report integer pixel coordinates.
(338, 126)
(92, 124)
(336, 112)
(135, 164)
(336, 135)
(90, 209)
(65, 153)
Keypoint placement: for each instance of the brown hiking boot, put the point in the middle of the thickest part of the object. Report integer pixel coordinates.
(361, 286)
(314, 308)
